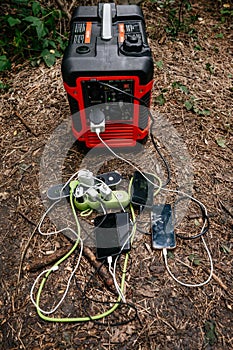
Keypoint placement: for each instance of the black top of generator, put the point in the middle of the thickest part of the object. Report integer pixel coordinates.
(107, 40)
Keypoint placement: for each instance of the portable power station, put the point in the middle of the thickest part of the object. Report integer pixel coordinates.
(108, 63)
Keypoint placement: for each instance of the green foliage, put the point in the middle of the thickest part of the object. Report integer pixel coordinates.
(4, 63)
(197, 48)
(192, 106)
(160, 99)
(195, 260)
(29, 32)
(178, 85)
(3, 86)
(210, 68)
(163, 3)
(170, 255)
(180, 18)
(210, 332)
(159, 64)
(191, 103)
(219, 36)
(226, 12)
(221, 142)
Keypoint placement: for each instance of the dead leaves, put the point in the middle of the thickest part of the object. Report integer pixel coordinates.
(4, 196)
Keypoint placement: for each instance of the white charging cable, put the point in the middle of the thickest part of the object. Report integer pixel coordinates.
(55, 268)
(189, 284)
(171, 191)
(113, 274)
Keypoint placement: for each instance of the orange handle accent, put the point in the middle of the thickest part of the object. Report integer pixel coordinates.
(88, 33)
(121, 28)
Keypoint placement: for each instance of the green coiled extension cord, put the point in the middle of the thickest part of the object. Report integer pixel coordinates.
(56, 265)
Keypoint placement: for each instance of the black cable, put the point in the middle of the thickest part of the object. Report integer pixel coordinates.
(85, 297)
(161, 156)
(151, 126)
(204, 217)
(122, 91)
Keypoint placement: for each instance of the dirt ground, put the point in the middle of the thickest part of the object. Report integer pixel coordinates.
(193, 89)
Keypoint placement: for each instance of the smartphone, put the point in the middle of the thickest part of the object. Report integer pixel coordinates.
(142, 190)
(112, 233)
(162, 228)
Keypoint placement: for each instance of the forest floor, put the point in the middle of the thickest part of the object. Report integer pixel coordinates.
(193, 92)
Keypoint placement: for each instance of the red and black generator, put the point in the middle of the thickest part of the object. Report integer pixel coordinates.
(108, 63)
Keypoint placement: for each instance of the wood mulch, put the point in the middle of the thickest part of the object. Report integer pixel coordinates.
(196, 68)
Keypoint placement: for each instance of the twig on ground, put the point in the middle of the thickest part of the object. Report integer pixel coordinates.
(72, 5)
(63, 7)
(23, 121)
(103, 272)
(216, 278)
(26, 218)
(24, 252)
(50, 259)
(40, 263)
(227, 209)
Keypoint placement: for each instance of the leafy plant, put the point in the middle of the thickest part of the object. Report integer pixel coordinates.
(221, 142)
(219, 36)
(195, 260)
(163, 3)
(4, 63)
(160, 99)
(170, 254)
(183, 88)
(197, 48)
(159, 64)
(191, 105)
(3, 86)
(180, 19)
(226, 12)
(210, 332)
(210, 68)
(29, 31)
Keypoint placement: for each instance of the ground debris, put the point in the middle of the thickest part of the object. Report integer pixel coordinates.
(193, 89)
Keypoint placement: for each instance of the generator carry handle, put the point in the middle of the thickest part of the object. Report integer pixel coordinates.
(106, 33)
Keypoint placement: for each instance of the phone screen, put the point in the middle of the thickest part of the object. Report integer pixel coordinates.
(112, 234)
(142, 190)
(163, 235)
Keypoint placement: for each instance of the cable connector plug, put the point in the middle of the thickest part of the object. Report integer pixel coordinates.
(54, 268)
(109, 259)
(165, 253)
(92, 194)
(86, 178)
(79, 191)
(105, 192)
(97, 120)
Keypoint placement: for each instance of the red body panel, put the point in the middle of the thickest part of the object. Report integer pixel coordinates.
(116, 134)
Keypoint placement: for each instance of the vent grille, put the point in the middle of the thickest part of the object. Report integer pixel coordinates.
(114, 135)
